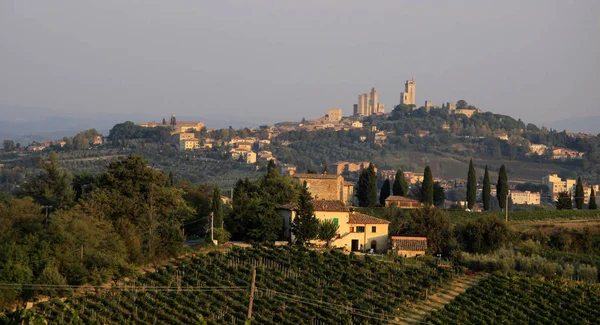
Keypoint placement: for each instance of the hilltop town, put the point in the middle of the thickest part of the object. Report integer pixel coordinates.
(447, 192)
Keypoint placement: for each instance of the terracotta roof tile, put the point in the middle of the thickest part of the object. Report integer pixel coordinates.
(316, 176)
(329, 205)
(320, 205)
(397, 198)
(409, 243)
(360, 218)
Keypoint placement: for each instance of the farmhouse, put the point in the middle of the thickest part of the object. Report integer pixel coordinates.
(357, 231)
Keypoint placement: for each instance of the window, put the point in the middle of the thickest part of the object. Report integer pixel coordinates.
(373, 229)
(360, 229)
(351, 229)
(335, 220)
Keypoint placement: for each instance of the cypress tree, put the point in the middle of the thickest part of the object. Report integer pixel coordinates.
(439, 195)
(367, 187)
(305, 226)
(372, 185)
(502, 187)
(385, 192)
(427, 187)
(579, 195)
(592, 205)
(487, 196)
(471, 186)
(400, 187)
(217, 208)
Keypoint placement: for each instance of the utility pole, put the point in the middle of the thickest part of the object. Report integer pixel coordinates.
(212, 231)
(506, 208)
(252, 287)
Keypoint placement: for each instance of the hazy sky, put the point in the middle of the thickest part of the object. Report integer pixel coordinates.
(282, 60)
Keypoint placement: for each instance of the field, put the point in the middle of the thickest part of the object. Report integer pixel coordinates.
(292, 287)
(520, 300)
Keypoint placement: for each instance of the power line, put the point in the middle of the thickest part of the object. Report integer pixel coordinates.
(337, 307)
(122, 288)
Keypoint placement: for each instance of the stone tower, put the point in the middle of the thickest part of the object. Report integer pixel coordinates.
(408, 96)
(374, 102)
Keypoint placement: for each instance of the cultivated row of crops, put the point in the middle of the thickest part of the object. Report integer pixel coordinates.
(521, 300)
(293, 286)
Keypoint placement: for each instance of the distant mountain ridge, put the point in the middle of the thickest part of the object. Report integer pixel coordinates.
(28, 124)
(588, 124)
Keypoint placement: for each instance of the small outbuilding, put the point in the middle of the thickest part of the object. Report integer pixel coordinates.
(409, 246)
(402, 202)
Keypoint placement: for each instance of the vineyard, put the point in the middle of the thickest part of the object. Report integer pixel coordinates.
(293, 286)
(521, 300)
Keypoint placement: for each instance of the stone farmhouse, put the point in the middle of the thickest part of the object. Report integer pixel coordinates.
(327, 187)
(357, 232)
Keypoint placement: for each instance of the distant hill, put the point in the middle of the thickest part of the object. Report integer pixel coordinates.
(27, 124)
(588, 124)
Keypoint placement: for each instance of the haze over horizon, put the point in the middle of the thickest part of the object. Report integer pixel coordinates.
(273, 61)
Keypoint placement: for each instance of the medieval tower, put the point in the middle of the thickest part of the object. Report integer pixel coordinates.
(368, 104)
(408, 96)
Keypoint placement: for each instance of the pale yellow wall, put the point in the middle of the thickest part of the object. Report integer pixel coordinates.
(410, 253)
(380, 236)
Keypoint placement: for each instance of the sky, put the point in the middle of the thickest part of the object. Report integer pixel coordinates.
(257, 60)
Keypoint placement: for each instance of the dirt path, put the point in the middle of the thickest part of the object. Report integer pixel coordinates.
(416, 313)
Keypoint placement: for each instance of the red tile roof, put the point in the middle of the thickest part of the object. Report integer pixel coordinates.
(409, 243)
(316, 176)
(362, 219)
(320, 205)
(397, 198)
(329, 205)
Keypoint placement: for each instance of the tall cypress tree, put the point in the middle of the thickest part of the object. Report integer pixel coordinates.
(592, 205)
(305, 226)
(487, 192)
(217, 208)
(385, 191)
(579, 195)
(502, 187)
(372, 185)
(400, 187)
(427, 187)
(471, 186)
(367, 187)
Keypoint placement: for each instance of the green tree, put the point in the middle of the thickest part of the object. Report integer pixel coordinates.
(435, 225)
(217, 208)
(592, 203)
(579, 195)
(367, 187)
(385, 192)
(486, 195)
(502, 187)
(9, 145)
(439, 195)
(52, 186)
(400, 187)
(327, 231)
(471, 186)
(483, 235)
(564, 201)
(305, 226)
(427, 187)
